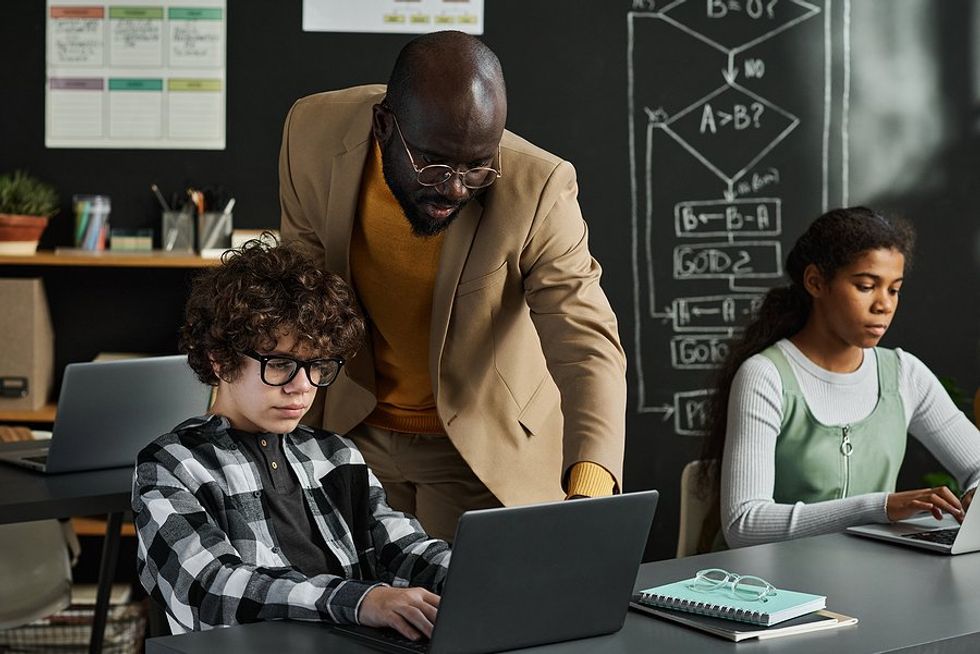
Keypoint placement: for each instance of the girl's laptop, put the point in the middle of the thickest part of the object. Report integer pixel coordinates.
(946, 536)
(536, 574)
(109, 410)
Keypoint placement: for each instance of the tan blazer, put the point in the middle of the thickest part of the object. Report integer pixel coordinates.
(528, 372)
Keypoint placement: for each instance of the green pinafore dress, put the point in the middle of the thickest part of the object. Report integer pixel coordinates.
(816, 462)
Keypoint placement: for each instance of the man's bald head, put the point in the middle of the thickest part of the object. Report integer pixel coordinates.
(445, 106)
(448, 77)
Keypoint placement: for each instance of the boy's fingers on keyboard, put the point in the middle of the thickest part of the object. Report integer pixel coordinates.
(414, 616)
(404, 627)
(409, 611)
(429, 611)
(429, 597)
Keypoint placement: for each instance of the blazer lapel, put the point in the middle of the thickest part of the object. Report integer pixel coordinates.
(345, 186)
(455, 250)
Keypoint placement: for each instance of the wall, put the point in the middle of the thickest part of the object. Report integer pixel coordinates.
(881, 95)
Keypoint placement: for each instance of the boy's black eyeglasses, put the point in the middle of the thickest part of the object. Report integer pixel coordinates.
(279, 370)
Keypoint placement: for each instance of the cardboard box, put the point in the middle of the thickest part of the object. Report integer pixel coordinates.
(26, 346)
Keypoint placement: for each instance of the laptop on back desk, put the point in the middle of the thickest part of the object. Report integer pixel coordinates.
(536, 574)
(109, 410)
(946, 536)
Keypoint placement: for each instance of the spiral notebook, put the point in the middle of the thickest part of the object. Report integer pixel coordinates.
(738, 631)
(778, 607)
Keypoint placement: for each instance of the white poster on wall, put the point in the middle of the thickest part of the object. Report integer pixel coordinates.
(393, 16)
(143, 74)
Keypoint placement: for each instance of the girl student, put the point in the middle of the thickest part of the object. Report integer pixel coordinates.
(810, 418)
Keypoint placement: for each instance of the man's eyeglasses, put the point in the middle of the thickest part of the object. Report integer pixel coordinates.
(436, 174)
(279, 370)
(746, 587)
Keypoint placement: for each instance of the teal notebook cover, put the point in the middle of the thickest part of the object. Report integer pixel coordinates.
(781, 605)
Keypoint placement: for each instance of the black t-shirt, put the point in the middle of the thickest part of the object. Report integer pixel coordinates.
(293, 525)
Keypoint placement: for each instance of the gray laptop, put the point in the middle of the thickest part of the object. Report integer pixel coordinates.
(946, 536)
(536, 574)
(109, 410)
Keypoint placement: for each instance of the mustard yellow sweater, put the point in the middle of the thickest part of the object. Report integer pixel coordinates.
(394, 274)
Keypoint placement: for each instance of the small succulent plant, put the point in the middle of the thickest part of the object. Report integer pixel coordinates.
(22, 194)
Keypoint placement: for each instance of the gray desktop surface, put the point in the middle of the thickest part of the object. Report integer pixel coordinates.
(906, 600)
(26, 495)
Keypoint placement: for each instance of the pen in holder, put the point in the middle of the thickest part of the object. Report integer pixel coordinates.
(178, 231)
(214, 230)
(91, 221)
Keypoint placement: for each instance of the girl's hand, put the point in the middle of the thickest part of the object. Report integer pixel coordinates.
(937, 501)
(967, 498)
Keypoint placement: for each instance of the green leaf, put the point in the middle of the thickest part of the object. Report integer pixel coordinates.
(22, 194)
(933, 479)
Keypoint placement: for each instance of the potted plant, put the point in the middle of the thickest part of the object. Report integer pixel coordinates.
(26, 203)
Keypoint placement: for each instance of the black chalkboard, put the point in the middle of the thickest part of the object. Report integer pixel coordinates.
(706, 134)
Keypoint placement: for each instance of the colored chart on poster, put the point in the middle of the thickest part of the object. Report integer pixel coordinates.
(141, 75)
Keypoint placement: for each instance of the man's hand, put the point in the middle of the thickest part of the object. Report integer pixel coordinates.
(409, 611)
(938, 500)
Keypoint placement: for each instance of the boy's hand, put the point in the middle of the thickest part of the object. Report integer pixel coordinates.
(409, 611)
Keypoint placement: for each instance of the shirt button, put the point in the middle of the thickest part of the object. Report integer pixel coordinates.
(275, 550)
(256, 494)
(263, 442)
(275, 466)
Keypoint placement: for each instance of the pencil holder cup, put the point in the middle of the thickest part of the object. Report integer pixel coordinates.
(91, 221)
(178, 231)
(213, 231)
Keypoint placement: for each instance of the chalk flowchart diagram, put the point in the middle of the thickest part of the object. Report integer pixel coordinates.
(731, 240)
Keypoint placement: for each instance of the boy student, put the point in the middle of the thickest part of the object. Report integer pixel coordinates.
(811, 417)
(244, 514)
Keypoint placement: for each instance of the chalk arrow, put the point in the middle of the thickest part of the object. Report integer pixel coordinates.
(731, 74)
(656, 116)
(666, 409)
(725, 118)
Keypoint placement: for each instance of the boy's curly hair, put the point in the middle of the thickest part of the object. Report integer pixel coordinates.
(258, 293)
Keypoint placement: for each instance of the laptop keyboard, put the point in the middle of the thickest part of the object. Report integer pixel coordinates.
(941, 536)
(37, 459)
(384, 636)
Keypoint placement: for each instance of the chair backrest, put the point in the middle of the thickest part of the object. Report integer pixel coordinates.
(694, 508)
(35, 569)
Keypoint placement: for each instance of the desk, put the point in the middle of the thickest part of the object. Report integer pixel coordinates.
(26, 496)
(906, 600)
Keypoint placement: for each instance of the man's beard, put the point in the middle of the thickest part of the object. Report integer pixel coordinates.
(423, 225)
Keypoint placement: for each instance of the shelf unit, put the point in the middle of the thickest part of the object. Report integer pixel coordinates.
(44, 414)
(88, 258)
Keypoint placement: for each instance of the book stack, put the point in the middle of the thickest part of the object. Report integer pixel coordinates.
(781, 613)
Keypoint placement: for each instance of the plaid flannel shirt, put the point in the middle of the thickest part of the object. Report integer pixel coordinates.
(207, 551)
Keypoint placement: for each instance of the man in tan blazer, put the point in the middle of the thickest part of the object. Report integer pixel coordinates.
(493, 373)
